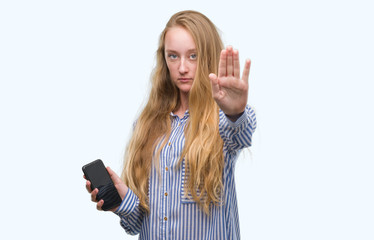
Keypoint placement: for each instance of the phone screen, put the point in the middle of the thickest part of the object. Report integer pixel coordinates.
(97, 174)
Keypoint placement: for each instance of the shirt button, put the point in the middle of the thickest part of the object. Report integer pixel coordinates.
(169, 143)
(165, 218)
(166, 194)
(167, 169)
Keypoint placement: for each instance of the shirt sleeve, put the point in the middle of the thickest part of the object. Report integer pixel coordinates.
(237, 135)
(130, 213)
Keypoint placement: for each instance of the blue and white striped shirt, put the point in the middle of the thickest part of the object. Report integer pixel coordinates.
(174, 216)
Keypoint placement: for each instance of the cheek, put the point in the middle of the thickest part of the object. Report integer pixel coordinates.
(170, 69)
(173, 70)
(168, 66)
(193, 68)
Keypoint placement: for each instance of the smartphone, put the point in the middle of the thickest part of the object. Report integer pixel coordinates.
(96, 173)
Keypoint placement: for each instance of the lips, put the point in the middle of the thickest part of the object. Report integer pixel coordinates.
(185, 79)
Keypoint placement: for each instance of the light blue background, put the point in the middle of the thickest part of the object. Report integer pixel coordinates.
(75, 73)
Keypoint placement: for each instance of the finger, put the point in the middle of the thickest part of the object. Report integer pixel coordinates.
(229, 64)
(236, 64)
(215, 85)
(99, 205)
(222, 64)
(94, 194)
(88, 186)
(246, 70)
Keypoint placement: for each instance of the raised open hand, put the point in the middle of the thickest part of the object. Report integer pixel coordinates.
(229, 90)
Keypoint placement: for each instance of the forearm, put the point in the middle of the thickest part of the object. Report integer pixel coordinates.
(237, 134)
(130, 213)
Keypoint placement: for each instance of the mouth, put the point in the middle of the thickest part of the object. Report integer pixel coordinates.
(185, 79)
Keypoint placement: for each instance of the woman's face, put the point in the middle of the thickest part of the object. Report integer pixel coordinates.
(181, 58)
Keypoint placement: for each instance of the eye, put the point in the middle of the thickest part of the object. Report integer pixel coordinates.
(172, 56)
(193, 56)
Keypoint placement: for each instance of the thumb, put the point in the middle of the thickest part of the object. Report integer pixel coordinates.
(214, 81)
(113, 176)
(118, 183)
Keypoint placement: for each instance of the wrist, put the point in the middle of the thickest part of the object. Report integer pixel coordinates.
(234, 117)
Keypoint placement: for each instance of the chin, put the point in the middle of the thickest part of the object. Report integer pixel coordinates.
(184, 89)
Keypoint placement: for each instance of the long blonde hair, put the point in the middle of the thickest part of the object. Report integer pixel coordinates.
(203, 149)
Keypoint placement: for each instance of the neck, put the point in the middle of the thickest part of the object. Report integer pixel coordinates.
(183, 105)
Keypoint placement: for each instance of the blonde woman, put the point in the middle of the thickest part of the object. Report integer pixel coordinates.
(178, 176)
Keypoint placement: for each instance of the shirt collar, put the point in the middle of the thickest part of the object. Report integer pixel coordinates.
(186, 114)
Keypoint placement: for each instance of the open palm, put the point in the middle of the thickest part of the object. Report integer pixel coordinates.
(229, 90)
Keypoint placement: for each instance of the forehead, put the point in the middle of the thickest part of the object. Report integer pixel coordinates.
(179, 39)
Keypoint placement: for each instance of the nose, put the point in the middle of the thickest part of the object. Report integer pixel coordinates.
(183, 68)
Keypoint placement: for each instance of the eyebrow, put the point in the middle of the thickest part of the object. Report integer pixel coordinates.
(174, 51)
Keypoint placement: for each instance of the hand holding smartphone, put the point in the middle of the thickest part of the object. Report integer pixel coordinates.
(97, 174)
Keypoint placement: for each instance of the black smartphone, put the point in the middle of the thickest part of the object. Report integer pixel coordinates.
(96, 173)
